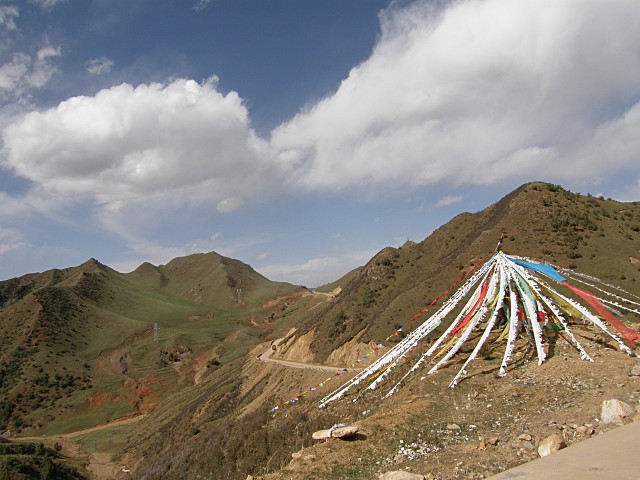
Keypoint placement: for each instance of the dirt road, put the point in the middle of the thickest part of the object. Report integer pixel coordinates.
(99, 464)
(266, 357)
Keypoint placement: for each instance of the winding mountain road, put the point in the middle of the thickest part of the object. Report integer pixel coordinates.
(266, 357)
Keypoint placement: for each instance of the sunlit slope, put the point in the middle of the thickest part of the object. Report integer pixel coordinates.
(595, 236)
(86, 344)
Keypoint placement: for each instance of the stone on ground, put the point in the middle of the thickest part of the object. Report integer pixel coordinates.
(551, 444)
(337, 431)
(321, 434)
(401, 475)
(614, 411)
(344, 432)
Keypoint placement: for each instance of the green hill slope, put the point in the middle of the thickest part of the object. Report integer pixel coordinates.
(87, 344)
(592, 235)
(82, 347)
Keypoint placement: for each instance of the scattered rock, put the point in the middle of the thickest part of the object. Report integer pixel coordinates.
(635, 371)
(551, 444)
(614, 411)
(528, 445)
(337, 431)
(525, 437)
(453, 426)
(321, 434)
(344, 432)
(296, 455)
(401, 475)
(493, 440)
(581, 430)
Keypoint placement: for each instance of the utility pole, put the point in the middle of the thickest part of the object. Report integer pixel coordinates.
(156, 335)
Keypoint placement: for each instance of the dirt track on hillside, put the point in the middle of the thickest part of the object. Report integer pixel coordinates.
(266, 357)
(98, 464)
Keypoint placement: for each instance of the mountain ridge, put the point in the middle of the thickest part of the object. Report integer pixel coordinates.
(540, 220)
(180, 434)
(58, 327)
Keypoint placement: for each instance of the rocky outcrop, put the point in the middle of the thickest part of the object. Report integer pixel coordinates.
(296, 349)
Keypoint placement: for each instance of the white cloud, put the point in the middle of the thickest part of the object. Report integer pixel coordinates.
(43, 70)
(183, 140)
(10, 239)
(201, 5)
(48, 4)
(475, 93)
(317, 271)
(8, 15)
(449, 200)
(230, 204)
(13, 72)
(18, 207)
(23, 72)
(11, 206)
(262, 256)
(99, 66)
(631, 193)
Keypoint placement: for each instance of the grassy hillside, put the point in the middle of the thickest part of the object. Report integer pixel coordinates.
(79, 345)
(592, 235)
(595, 236)
(24, 461)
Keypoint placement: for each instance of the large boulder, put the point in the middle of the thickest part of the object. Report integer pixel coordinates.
(615, 411)
(550, 444)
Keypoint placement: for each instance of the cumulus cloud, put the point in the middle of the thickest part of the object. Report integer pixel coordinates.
(127, 143)
(476, 92)
(99, 66)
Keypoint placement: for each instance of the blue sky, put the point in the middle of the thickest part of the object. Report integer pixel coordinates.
(298, 136)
